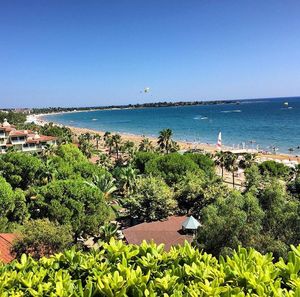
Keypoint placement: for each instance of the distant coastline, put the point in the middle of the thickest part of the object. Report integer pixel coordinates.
(58, 109)
(55, 110)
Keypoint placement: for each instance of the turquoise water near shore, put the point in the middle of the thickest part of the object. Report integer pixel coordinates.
(264, 122)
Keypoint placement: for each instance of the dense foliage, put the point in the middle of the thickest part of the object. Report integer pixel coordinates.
(121, 270)
(171, 167)
(12, 117)
(53, 187)
(62, 187)
(42, 238)
(274, 169)
(152, 200)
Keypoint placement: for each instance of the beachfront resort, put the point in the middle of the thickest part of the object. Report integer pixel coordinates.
(22, 140)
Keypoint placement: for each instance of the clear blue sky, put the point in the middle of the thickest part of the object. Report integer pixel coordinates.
(83, 53)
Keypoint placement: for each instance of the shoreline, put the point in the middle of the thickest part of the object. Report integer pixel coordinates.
(209, 148)
(184, 145)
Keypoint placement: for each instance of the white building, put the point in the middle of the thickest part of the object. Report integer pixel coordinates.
(22, 140)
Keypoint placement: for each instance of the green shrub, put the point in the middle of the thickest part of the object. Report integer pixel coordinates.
(42, 238)
(121, 270)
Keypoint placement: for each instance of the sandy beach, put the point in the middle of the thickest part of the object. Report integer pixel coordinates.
(40, 120)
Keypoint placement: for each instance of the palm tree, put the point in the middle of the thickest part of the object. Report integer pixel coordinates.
(97, 137)
(127, 179)
(109, 143)
(146, 145)
(48, 150)
(174, 146)
(220, 160)
(85, 137)
(116, 139)
(106, 135)
(86, 147)
(105, 183)
(165, 140)
(48, 173)
(247, 160)
(104, 161)
(129, 149)
(231, 164)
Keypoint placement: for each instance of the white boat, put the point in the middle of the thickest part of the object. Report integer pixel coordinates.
(286, 104)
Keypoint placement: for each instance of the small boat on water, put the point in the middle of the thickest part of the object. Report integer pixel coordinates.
(286, 104)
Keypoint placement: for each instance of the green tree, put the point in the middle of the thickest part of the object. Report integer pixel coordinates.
(247, 160)
(126, 179)
(231, 164)
(42, 238)
(106, 135)
(48, 172)
(97, 137)
(72, 202)
(63, 134)
(88, 170)
(152, 200)
(282, 212)
(20, 213)
(129, 149)
(105, 183)
(141, 158)
(165, 142)
(253, 177)
(116, 141)
(204, 162)
(109, 142)
(220, 160)
(229, 222)
(88, 137)
(86, 147)
(195, 191)
(70, 153)
(274, 169)
(19, 169)
(15, 118)
(172, 167)
(146, 145)
(104, 161)
(189, 191)
(7, 203)
(48, 150)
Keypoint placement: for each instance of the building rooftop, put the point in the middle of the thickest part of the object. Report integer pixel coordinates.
(168, 232)
(6, 240)
(19, 133)
(191, 223)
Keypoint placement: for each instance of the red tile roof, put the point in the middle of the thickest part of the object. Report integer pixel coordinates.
(6, 240)
(18, 133)
(8, 128)
(167, 232)
(42, 138)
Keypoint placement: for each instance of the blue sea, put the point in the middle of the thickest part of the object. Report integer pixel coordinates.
(264, 122)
